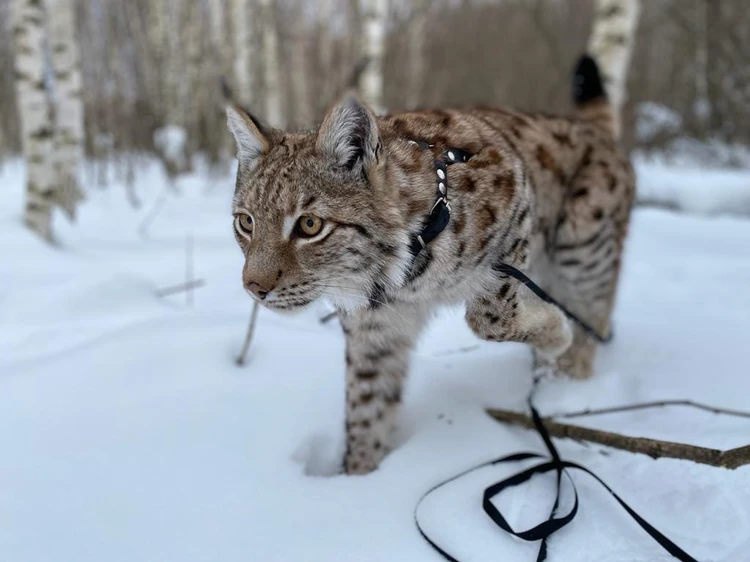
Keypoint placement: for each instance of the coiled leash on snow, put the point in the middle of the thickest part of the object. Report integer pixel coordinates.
(434, 224)
(553, 523)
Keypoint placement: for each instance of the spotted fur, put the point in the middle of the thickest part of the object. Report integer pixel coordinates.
(548, 195)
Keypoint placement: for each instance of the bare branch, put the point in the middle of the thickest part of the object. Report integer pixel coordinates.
(654, 448)
(655, 404)
(249, 337)
(182, 287)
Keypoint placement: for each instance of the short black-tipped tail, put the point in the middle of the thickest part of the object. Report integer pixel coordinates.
(587, 82)
(589, 94)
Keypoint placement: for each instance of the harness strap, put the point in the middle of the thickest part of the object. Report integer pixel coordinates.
(440, 214)
(519, 275)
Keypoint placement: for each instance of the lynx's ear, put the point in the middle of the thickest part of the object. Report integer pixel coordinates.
(349, 134)
(252, 139)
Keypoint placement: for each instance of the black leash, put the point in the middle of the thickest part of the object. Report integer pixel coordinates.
(440, 216)
(501, 267)
(553, 523)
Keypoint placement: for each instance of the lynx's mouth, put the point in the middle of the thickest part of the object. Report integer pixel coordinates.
(287, 305)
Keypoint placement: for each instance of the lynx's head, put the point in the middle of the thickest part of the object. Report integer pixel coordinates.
(313, 212)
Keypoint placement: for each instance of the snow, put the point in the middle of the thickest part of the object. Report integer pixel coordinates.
(708, 176)
(693, 189)
(170, 141)
(128, 433)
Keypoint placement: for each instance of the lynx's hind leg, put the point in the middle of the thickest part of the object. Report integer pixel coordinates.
(586, 256)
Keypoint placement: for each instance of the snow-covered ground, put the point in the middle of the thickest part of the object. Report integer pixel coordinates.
(128, 434)
(692, 189)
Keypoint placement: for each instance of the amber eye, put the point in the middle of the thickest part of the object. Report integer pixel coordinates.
(309, 225)
(244, 223)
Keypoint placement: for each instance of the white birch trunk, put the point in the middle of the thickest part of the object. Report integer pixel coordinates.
(242, 41)
(69, 133)
(271, 71)
(417, 40)
(375, 15)
(35, 114)
(611, 44)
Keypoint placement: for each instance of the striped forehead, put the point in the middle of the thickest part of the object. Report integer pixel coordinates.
(280, 175)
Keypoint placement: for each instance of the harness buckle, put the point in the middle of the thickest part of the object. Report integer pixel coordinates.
(442, 200)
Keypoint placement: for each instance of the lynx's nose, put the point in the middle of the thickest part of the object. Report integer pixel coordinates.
(258, 290)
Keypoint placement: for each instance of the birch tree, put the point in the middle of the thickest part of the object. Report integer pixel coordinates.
(45, 190)
(375, 15)
(271, 71)
(69, 134)
(611, 43)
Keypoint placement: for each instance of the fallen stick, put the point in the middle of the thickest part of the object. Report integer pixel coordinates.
(328, 317)
(181, 288)
(248, 337)
(654, 448)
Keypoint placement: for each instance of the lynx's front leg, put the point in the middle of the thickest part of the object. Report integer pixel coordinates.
(503, 313)
(378, 344)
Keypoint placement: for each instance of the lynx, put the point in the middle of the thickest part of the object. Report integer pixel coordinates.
(341, 213)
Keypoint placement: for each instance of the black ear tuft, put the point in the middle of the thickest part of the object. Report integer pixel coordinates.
(587, 82)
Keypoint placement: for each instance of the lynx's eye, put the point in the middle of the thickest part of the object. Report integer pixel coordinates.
(309, 226)
(244, 223)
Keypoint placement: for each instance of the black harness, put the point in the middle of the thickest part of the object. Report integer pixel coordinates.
(440, 216)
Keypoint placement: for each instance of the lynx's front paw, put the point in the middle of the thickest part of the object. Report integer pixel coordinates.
(363, 457)
(556, 338)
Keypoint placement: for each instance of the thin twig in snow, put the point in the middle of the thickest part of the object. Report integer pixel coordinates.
(249, 337)
(464, 349)
(189, 269)
(182, 287)
(328, 317)
(655, 404)
(153, 213)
